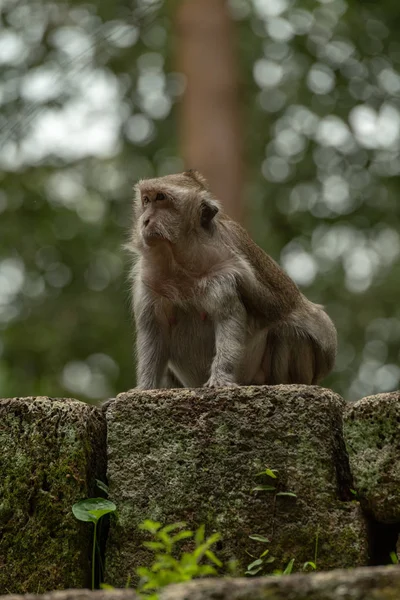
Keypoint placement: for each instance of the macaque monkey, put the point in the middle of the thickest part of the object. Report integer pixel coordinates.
(211, 308)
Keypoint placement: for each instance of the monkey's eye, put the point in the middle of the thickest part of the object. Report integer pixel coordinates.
(145, 200)
(160, 197)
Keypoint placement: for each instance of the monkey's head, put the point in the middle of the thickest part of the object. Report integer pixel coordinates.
(170, 209)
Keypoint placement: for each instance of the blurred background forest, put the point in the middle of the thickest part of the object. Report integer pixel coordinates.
(291, 108)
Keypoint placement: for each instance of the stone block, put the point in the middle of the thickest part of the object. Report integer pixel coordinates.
(193, 456)
(372, 436)
(51, 451)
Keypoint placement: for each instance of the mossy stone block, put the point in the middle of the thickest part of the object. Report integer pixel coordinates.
(372, 435)
(51, 452)
(194, 455)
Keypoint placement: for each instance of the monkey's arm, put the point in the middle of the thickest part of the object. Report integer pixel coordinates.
(151, 346)
(229, 316)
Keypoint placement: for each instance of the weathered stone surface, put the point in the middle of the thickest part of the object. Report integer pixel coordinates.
(51, 451)
(372, 435)
(193, 455)
(372, 583)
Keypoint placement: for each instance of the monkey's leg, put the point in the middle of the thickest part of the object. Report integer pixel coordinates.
(170, 380)
(230, 331)
(152, 350)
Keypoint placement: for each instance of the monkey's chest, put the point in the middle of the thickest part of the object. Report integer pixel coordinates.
(192, 346)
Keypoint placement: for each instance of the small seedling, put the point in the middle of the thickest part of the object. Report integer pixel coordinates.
(91, 510)
(268, 487)
(287, 570)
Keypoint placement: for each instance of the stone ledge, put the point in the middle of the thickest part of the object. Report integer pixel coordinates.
(369, 583)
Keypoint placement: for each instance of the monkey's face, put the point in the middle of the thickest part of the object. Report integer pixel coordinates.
(170, 209)
(159, 219)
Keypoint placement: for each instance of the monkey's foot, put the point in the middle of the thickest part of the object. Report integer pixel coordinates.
(216, 381)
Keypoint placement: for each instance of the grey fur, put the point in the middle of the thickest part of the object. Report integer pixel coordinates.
(211, 308)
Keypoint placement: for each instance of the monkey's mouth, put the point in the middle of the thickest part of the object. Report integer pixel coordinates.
(152, 237)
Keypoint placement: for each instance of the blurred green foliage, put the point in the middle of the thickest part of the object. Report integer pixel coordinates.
(89, 97)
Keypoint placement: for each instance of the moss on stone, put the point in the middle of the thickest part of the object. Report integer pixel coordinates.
(50, 453)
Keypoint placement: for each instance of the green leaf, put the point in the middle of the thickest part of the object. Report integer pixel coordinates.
(211, 556)
(255, 563)
(253, 571)
(289, 567)
(106, 586)
(394, 558)
(270, 559)
(102, 486)
(199, 536)
(259, 538)
(153, 545)
(149, 525)
(291, 494)
(264, 553)
(173, 526)
(92, 509)
(182, 535)
(269, 472)
(311, 564)
(265, 488)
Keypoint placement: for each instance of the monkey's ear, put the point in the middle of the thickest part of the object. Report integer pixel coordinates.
(208, 212)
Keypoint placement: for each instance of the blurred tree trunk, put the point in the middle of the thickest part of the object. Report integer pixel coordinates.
(210, 118)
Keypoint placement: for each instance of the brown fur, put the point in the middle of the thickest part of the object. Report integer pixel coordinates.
(195, 261)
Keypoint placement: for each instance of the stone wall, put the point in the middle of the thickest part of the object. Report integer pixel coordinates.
(194, 455)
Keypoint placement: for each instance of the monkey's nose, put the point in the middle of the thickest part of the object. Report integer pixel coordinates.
(146, 222)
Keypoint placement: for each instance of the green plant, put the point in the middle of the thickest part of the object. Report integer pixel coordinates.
(92, 510)
(166, 568)
(271, 488)
(313, 564)
(265, 557)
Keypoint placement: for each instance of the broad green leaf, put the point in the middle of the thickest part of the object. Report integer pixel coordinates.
(92, 509)
(259, 538)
